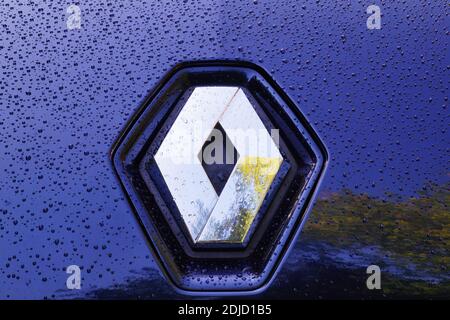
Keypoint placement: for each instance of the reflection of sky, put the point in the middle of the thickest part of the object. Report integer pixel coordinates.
(359, 258)
(377, 99)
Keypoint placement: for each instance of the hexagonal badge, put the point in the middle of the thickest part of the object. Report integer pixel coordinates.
(220, 167)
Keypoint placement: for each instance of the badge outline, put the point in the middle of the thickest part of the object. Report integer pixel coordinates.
(301, 208)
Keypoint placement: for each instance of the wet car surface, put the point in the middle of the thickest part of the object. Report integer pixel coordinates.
(377, 98)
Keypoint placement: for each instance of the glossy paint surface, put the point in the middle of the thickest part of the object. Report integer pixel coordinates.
(377, 98)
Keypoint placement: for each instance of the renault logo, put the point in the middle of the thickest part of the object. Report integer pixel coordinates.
(210, 216)
(220, 168)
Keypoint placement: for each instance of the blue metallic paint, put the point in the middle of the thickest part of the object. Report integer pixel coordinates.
(379, 99)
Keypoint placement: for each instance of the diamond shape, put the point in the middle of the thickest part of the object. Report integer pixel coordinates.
(218, 156)
(208, 216)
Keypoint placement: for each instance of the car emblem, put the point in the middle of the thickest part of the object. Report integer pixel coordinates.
(220, 167)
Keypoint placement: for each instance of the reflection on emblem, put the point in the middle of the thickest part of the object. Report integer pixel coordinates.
(208, 215)
(220, 168)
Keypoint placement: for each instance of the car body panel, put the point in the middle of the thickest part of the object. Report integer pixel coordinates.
(377, 98)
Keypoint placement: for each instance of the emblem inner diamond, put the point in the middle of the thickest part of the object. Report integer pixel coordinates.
(209, 215)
